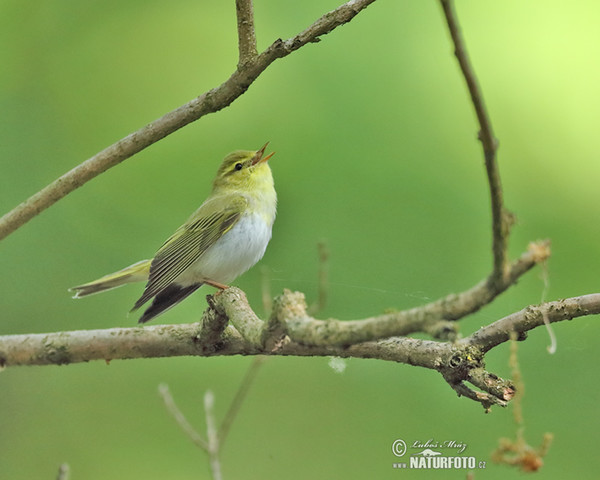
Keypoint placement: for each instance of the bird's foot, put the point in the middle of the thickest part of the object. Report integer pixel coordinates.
(220, 286)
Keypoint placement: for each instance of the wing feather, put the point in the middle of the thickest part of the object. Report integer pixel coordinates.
(214, 218)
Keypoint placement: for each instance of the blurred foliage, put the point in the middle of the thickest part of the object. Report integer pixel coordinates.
(376, 154)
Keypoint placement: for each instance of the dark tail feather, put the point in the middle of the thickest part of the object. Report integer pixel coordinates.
(166, 299)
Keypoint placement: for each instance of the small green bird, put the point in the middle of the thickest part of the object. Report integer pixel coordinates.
(226, 236)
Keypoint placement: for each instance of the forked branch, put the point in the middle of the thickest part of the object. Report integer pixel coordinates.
(250, 67)
(286, 334)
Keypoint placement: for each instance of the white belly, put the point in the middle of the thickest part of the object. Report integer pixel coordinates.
(234, 253)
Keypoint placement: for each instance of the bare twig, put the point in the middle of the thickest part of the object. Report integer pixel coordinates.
(63, 472)
(501, 219)
(213, 438)
(209, 102)
(246, 34)
(211, 445)
(239, 397)
(531, 317)
(486, 399)
(179, 417)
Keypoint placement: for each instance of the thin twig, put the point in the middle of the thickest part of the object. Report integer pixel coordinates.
(213, 438)
(63, 472)
(209, 102)
(179, 417)
(500, 218)
(216, 438)
(246, 33)
(210, 446)
(531, 317)
(239, 397)
(484, 398)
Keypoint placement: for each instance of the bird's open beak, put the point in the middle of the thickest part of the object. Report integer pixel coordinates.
(258, 157)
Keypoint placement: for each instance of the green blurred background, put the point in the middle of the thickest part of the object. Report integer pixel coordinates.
(376, 154)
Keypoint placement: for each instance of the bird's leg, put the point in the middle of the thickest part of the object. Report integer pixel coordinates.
(218, 285)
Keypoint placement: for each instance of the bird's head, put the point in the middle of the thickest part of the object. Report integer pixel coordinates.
(244, 171)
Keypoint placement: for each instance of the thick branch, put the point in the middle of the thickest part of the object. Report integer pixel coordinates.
(78, 346)
(209, 102)
(115, 343)
(177, 340)
(458, 362)
(500, 218)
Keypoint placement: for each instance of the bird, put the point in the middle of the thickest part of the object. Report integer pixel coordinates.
(222, 239)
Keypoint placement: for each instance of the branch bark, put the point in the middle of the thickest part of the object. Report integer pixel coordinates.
(459, 362)
(531, 317)
(209, 102)
(246, 34)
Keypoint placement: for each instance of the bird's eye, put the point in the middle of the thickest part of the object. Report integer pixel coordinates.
(238, 166)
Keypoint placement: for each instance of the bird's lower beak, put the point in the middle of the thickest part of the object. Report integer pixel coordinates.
(258, 157)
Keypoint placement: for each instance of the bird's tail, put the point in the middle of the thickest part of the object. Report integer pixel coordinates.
(166, 299)
(133, 273)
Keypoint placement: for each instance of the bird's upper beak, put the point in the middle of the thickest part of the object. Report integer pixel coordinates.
(258, 157)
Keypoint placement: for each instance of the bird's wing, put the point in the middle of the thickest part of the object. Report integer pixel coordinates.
(214, 218)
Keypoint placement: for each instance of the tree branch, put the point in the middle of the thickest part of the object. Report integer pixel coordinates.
(209, 102)
(246, 34)
(458, 362)
(431, 318)
(211, 433)
(63, 472)
(211, 445)
(531, 317)
(177, 414)
(501, 219)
